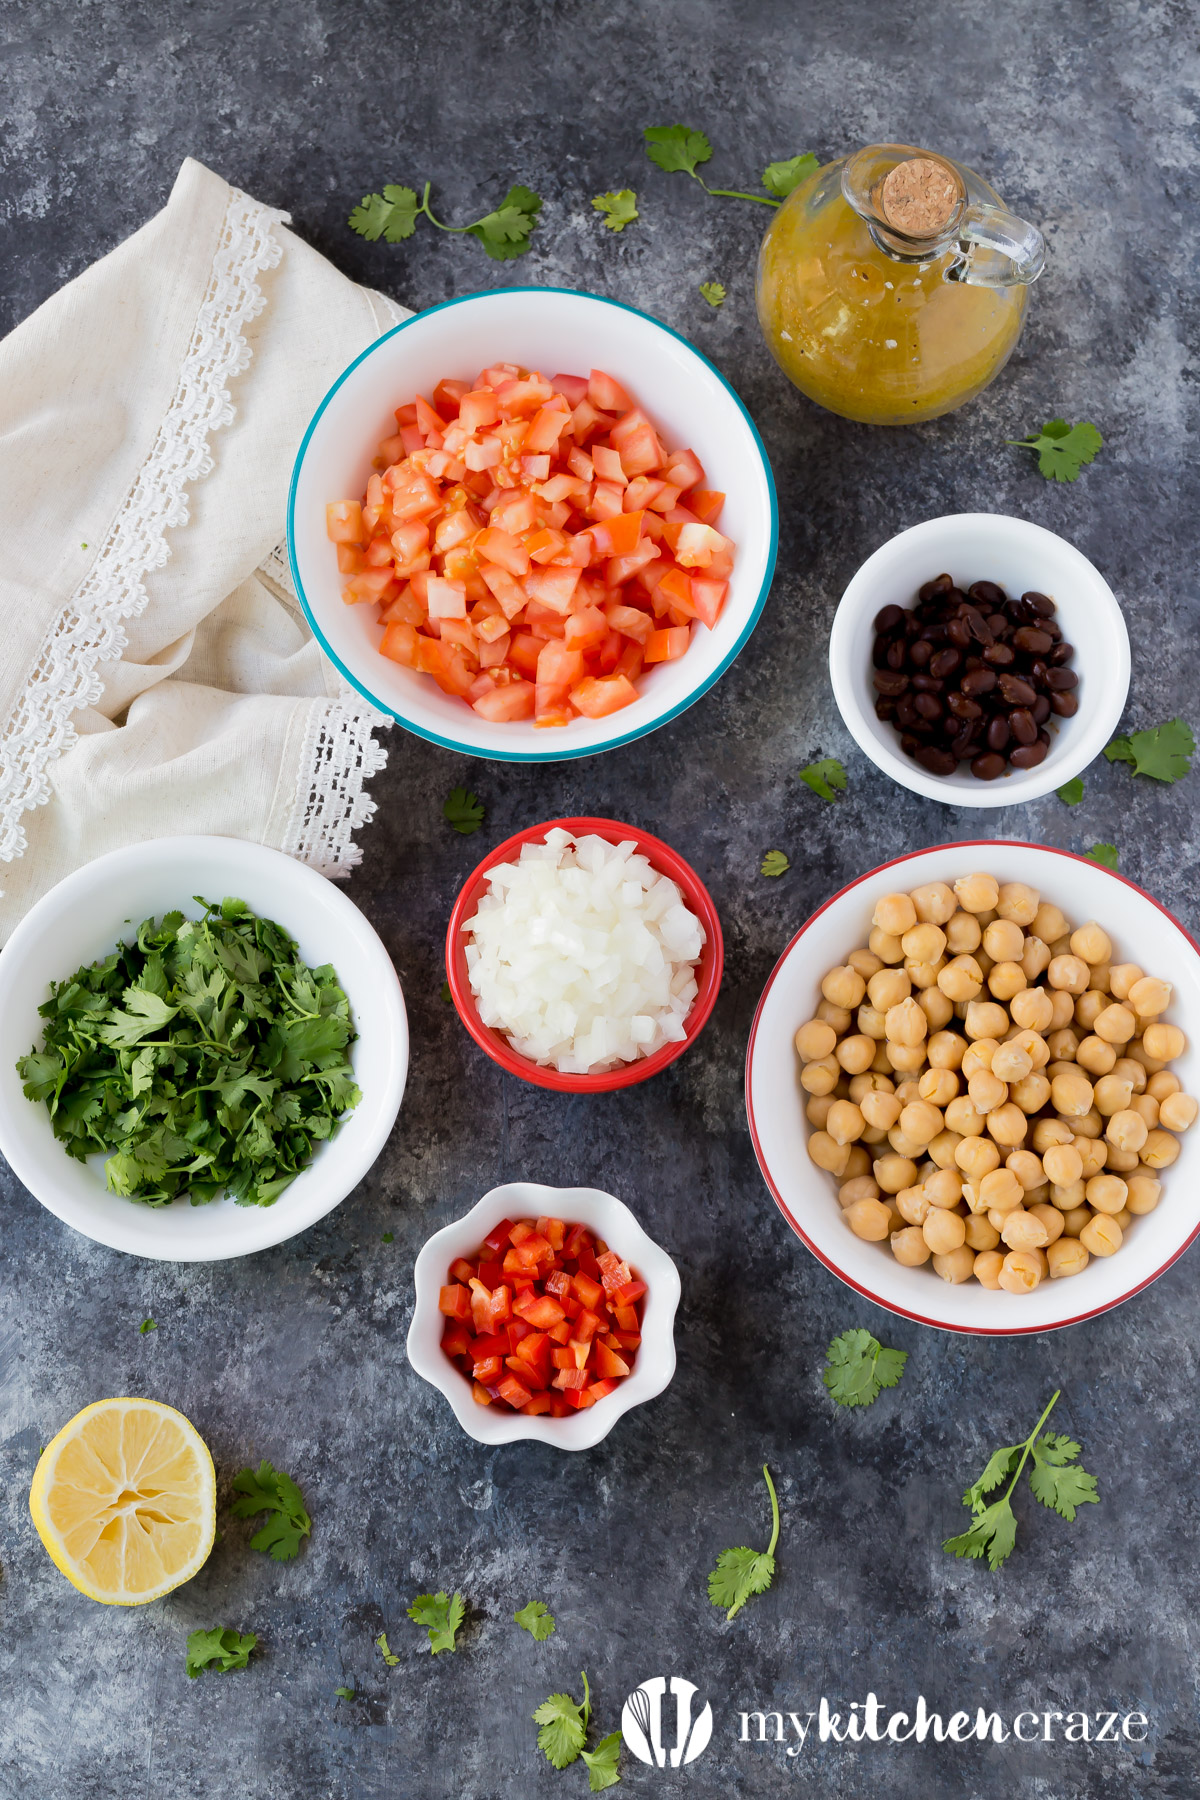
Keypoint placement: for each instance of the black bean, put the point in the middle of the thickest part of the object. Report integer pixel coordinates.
(987, 766)
(879, 653)
(1032, 641)
(934, 634)
(997, 733)
(1023, 725)
(885, 709)
(906, 713)
(1065, 705)
(977, 625)
(897, 654)
(1016, 691)
(909, 744)
(919, 653)
(998, 625)
(928, 705)
(889, 619)
(1020, 612)
(1057, 679)
(941, 584)
(978, 681)
(999, 656)
(937, 761)
(1051, 629)
(987, 593)
(964, 708)
(1028, 756)
(958, 632)
(1041, 604)
(945, 663)
(927, 684)
(1062, 653)
(889, 682)
(1041, 709)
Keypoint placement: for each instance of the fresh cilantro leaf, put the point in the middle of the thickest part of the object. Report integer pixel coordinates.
(742, 1572)
(389, 1656)
(344, 1693)
(1105, 854)
(858, 1367)
(391, 215)
(1071, 792)
(146, 1014)
(779, 178)
(148, 1325)
(447, 996)
(463, 811)
(676, 147)
(620, 209)
(1062, 449)
(271, 1491)
(564, 1724)
(441, 1616)
(999, 1465)
(1164, 752)
(505, 233)
(713, 292)
(602, 1763)
(822, 777)
(992, 1533)
(536, 1619)
(389, 1237)
(775, 863)
(1055, 1482)
(220, 1649)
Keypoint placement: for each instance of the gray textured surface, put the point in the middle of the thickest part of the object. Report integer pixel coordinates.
(1084, 116)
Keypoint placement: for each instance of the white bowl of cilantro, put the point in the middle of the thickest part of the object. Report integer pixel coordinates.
(207, 1082)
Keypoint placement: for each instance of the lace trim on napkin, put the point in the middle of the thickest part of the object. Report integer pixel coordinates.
(90, 631)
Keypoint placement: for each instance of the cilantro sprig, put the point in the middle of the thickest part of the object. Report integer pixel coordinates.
(441, 1616)
(822, 777)
(271, 1491)
(388, 1654)
(392, 215)
(619, 209)
(713, 292)
(1055, 1481)
(1164, 752)
(206, 1055)
(678, 149)
(536, 1619)
(858, 1368)
(221, 1649)
(775, 863)
(1071, 792)
(463, 811)
(1061, 449)
(742, 1572)
(1106, 854)
(564, 1725)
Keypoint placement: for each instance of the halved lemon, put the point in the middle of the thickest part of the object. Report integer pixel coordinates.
(125, 1501)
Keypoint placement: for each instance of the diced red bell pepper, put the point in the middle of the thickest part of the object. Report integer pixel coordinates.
(491, 1343)
(480, 1394)
(515, 1392)
(588, 1292)
(587, 1262)
(627, 1318)
(462, 1270)
(579, 1398)
(613, 1272)
(571, 1379)
(631, 1291)
(554, 1231)
(586, 1325)
(539, 1310)
(456, 1340)
(491, 1273)
(489, 1369)
(561, 1332)
(607, 1362)
(455, 1301)
(558, 1283)
(537, 1403)
(576, 1238)
(498, 1236)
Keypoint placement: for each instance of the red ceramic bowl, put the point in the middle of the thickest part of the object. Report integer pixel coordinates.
(666, 862)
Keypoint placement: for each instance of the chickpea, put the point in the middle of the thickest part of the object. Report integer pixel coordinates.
(944, 1188)
(894, 1172)
(1147, 1108)
(944, 1231)
(1120, 1162)
(1008, 1125)
(920, 1121)
(978, 1055)
(1123, 1219)
(1163, 1042)
(1051, 1218)
(855, 1054)
(934, 902)
(1127, 1068)
(963, 934)
(869, 1219)
(817, 1109)
(871, 1023)
(1162, 1084)
(1066, 1256)
(908, 1090)
(939, 1086)
(1088, 1008)
(941, 1151)
(1018, 902)
(1121, 977)
(1063, 1045)
(858, 1187)
(1069, 973)
(1049, 924)
(977, 1157)
(895, 914)
(1064, 1008)
(1112, 1095)
(1095, 1056)
(1050, 1131)
(1101, 1236)
(924, 943)
(1106, 1193)
(881, 1109)
(986, 1090)
(985, 1019)
(1061, 946)
(1021, 1271)
(1091, 943)
(908, 1059)
(815, 1040)
(909, 1247)
(1032, 1008)
(913, 1204)
(1006, 979)
(977, 893)
(1067, 1195)
(1091, 1155)
(956, 1266)
(1022, 1231)
(937, 1008)
(845, 1123)
(1000, 1191)
(1034, 1044)
(888, 987)
(946, 1050)
(1178, 1112)
(885, 946)
(827, 1153)
(1144, 1193)
(882, 1063)
(1027, 1168)
(906, 1024)
(1071, 1094)
(859, 1163)
(1003, 941)
(1031, 1094)
(1088, 1124)
(960, 979)
(988, 1265)
(1138, 1053)
(1011, 1062)
(1099, 980)
(1063, 1164)
(1116, 1024)
(1127, 1130)
(843, 986)
(820, 1077)
(1074, 1219)
(837, 1016)
(866, 962)
(1160, 1150)
(981, 1233)
(1149, 996)
(1035, 958)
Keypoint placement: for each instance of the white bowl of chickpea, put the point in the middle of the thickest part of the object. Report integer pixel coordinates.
(958, 1071)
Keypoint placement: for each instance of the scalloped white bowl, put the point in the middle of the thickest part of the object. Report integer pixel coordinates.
(555, 330)
(1141, 930)
(610, 1219)
(81, 920)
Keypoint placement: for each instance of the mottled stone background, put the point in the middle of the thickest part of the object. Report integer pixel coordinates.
(1084, 115)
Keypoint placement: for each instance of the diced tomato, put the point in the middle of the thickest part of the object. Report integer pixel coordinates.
(607, 394)
(585, 629)
(706, 503)
(344, 522)
(596, 697)
(506, 703)
(668, 645)
(399, 644)
(573, 388)
(446, 663)
(607, 465)
(619, 535)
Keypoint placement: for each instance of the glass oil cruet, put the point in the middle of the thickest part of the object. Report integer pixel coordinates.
(892, 285)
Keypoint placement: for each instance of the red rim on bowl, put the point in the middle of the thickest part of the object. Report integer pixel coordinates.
(663, 859)
(867, 1293)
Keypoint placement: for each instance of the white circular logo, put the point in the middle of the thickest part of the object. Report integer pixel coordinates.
(642, 1723)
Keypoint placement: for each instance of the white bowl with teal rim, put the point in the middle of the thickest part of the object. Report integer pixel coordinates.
(557, 331)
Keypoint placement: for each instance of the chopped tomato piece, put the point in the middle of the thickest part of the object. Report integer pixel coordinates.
(596, 697)
(607, 394)
(504, 703)
(344, 522)
(668, 645)
(399, 644)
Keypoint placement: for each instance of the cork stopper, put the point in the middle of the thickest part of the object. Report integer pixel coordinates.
(918, 197)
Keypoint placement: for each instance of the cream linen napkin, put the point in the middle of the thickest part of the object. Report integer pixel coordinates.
(158, 675)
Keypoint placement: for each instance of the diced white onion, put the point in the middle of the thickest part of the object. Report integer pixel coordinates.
(582, 954)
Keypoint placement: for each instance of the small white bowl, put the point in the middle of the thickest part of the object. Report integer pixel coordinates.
(557, 331)
(611, 1220)
(81, 920)
(1019, 556)
(1141, 931)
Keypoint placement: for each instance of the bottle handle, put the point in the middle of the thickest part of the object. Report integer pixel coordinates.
(996, 249)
